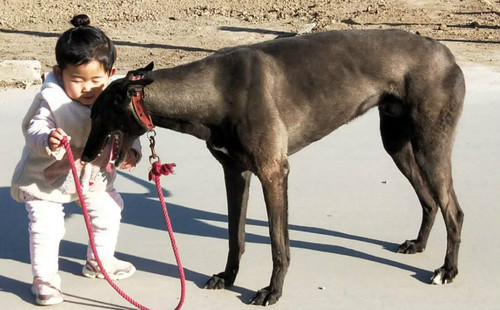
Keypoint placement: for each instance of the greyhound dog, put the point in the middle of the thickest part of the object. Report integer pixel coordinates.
(255, 105)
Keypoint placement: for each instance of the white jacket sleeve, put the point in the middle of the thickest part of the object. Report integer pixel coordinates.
(39, 129)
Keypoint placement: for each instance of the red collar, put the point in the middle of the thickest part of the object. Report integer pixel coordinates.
(141, 113)
(140, 110)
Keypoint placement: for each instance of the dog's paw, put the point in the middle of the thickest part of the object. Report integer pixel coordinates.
(411, 247)
(218, 281)
(265, 297)
(443, 276)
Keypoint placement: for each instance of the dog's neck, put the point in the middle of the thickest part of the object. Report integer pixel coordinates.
(184, 99)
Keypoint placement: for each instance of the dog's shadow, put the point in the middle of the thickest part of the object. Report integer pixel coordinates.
(14, 231)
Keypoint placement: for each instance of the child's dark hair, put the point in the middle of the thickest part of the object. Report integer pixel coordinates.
(83, 43)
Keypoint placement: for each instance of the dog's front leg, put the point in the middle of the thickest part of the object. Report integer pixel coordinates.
(274, 181)
(237, 186)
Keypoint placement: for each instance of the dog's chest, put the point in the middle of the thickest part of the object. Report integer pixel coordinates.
(221, 149)
(226, 151)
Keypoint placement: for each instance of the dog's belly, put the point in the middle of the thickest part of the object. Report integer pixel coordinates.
(312, 124)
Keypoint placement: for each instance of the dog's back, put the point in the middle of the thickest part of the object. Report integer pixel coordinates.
(345, 72)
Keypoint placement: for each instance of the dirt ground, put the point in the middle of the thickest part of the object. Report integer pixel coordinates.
(172, 32)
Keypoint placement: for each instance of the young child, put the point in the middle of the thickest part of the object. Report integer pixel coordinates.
(43, 180)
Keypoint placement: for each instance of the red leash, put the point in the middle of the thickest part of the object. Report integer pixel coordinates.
(156, 171)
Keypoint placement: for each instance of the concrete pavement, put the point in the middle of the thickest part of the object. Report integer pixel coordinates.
(350, 208)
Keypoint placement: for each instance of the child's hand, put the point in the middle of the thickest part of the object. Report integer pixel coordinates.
(130, 161)
(55, 138)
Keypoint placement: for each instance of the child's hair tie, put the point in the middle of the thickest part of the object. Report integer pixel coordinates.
(80, 20)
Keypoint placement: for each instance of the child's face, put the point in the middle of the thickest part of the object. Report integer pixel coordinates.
(85, 82)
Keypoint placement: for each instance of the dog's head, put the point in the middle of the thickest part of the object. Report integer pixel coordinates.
(113, 116)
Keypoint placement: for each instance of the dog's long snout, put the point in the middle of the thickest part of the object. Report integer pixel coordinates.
(95, 141)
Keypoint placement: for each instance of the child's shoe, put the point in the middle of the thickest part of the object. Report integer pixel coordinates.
(47, 293)
(116, 269)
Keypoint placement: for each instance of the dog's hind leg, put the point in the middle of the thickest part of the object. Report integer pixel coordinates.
(434, 121)
(433, 112)
(237, 187)
(433, 156)
(396, 134)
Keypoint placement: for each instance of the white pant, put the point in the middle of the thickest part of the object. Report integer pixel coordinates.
(46, 229)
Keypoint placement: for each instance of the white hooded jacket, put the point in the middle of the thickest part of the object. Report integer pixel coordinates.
(46, 175)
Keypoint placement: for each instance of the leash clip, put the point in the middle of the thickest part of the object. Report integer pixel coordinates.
(153, 157)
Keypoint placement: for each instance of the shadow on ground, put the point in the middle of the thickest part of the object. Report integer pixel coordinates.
(142, 210)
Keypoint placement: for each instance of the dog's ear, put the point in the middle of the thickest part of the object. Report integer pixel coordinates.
(135, 85)
(140, 72)
(149, 67)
